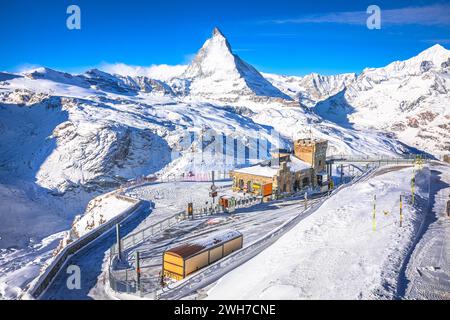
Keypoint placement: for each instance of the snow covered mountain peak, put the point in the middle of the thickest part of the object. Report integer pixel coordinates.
(435, 58)
(215, 56)
(435, 52)
(217, 33)
(43, 73)
(217, 73)
(408, 98)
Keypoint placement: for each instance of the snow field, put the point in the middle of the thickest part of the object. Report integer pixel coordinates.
(334, 253)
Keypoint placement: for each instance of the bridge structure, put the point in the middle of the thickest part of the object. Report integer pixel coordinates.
(368, 160)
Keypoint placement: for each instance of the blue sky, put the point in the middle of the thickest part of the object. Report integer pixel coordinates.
(288, 37)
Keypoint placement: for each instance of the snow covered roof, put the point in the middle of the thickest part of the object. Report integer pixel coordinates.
(270, 170)
(297, 165)
(259, 170)
(190, 249)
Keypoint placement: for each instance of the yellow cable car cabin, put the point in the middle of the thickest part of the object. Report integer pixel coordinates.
(182, 260)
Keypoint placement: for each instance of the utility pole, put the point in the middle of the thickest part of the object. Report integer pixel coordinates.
(119, 245)
(342, 173)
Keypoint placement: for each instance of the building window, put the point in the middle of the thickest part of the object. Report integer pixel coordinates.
(305, 181)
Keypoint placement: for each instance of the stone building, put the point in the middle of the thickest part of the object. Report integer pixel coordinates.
(285, 171)
(313, 152)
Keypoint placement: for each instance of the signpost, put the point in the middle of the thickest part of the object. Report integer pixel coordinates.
(138, 272)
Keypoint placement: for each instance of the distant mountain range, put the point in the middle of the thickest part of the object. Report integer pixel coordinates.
(98, 129)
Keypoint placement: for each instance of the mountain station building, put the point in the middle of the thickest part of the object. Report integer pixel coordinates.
(286, 171)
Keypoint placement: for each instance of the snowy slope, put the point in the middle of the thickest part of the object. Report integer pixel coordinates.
(312, 88)
(410, 99)
(334, 253)
(427, 273)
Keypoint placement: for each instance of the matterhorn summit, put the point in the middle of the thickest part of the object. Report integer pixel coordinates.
(217, 73)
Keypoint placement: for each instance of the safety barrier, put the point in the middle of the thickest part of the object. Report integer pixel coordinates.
(380, 160)
(72, 248)
(124, 280)
(217, 208)
(143, 235)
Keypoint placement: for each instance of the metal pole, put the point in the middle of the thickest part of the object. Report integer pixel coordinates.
(138, 272)
(331, 169)
(342, 172)
(119, 246)
(306, 200)
(213, 188)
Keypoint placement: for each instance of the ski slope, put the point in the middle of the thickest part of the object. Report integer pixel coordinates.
(427, 275)
(335, 253)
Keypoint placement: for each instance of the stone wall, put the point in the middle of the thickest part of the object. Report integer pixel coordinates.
(313, 152)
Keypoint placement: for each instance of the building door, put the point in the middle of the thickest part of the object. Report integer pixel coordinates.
(305, 182)
(296, 185)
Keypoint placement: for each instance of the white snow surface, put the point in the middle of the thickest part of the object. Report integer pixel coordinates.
(410, 99)
(99, 211)
(214, 239)
(334, 253)
(428, 269)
